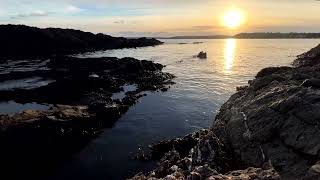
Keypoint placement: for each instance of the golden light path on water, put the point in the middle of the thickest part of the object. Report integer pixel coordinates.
(229, 54)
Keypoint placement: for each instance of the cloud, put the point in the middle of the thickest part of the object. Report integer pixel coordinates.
(119, 22)
(204, 27)
(200, 28)
(72, 9)
(37, 13)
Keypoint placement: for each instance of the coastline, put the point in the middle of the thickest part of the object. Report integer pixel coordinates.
(23, 42)
(79, 92)
(76, 96)
(267, 130)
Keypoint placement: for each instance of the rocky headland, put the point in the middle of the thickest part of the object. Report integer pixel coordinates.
(267, 130)
(20, 42)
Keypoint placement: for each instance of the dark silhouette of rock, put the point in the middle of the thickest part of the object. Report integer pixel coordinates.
(19, 41)
(270, 128)
(202, 55)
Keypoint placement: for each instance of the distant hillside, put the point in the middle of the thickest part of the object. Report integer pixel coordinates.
(200, 37)
(19, 41)
(254, 36)
(277, 35)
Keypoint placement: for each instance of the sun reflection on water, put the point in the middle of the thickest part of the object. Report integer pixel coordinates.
(229, 54)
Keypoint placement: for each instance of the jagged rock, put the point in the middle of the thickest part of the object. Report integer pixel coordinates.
(209, 150)
(248, 174)
(274, 118)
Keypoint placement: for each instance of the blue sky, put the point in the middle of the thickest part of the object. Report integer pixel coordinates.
(162, 17)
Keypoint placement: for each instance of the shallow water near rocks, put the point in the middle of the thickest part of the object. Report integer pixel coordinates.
(122, 94)
(202, 86)
(11, 107)
(28, 83)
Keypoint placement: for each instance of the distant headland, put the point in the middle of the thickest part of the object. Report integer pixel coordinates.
(256, 35)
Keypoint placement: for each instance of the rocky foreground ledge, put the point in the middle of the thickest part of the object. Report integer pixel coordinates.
(267, 130)
(79, 95)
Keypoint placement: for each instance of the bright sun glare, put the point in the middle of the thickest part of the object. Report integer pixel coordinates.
(233, 19)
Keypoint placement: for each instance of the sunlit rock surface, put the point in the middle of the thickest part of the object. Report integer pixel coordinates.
(270, 128)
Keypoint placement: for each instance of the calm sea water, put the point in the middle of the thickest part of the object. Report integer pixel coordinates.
(202, 86)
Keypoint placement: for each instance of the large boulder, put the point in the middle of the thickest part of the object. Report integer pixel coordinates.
(275, 118)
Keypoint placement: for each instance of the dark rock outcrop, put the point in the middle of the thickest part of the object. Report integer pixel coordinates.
(270, 128)
(202, 55)
(80, 96)
(19, 41)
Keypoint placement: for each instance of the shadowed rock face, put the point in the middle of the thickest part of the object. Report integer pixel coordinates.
(272, 124)
(19, 41)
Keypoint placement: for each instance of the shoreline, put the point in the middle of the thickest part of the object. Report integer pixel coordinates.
(267, 130)
(81, 105)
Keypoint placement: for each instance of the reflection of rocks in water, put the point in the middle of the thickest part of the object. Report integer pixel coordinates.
(272, 124)
(85, 87)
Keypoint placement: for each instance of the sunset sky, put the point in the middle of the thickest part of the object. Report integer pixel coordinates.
(164, 17)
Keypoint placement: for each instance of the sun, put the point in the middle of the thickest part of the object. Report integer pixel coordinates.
(233, 19)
